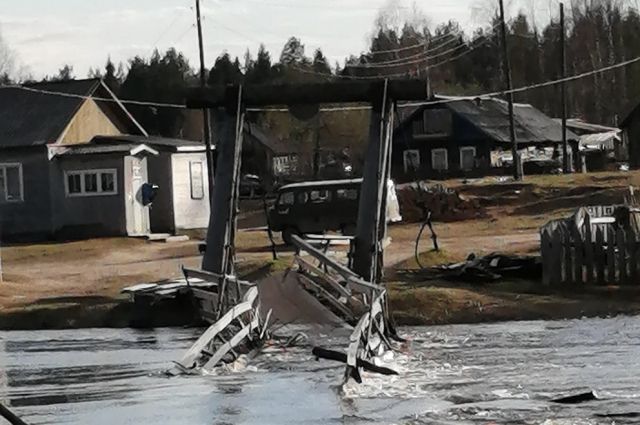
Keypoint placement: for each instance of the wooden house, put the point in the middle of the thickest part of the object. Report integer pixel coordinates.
(66, 170)
(470, 138)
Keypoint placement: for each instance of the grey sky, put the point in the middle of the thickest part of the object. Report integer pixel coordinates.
(46, 34)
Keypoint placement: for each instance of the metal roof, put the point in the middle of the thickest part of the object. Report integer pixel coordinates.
(161, 143)
(578, 124)
(492, 118)
(274, 144)
(92, 149)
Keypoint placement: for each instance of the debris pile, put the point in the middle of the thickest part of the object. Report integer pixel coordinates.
(445, 204)
(490, 268)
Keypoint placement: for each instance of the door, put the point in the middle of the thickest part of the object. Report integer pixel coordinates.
(137, 212)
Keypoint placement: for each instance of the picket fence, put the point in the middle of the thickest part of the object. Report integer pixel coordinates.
(594, 250)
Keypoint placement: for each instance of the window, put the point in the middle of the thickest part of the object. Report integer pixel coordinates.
(434, 122)
(197, 180)
(303, 197)
(320, 196)
(411, 160)
(439, 159)
(467, 158)
(11, 185)
(347, 194)
(91, 183)
(285, 165)
(286, 198)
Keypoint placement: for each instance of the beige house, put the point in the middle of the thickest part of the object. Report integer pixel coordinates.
(75, 163)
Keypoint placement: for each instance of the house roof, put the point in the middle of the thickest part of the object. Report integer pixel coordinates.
(30, 116)
(161, 143)
(92, 149)
(274, 144)
(579, 124)
(492, 118)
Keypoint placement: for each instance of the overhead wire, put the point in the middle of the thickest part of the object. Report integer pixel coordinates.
(333, 109)
(424, 55)
(95, 98)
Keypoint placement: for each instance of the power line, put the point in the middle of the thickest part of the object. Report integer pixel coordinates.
(399, 74)
(334, 109)
(174, 21)
(417, 55)
(406, 61)
(530, 87)
(415, 46)
(98, 99)
(484, 96)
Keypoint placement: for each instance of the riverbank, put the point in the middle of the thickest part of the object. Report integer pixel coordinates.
(78, 284)
(437, 304)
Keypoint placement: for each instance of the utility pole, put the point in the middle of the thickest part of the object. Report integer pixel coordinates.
(517, 166)
(566, 165)
(428, 68)
(205, 112)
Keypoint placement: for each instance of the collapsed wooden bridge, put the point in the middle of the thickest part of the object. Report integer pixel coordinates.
(352, 292)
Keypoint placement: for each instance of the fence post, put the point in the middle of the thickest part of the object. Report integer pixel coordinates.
(632, 246)
(600, 256)
(621, 243)
(556, 256)
(612, 241)
(588, 249)
(545, 249)
(568, 257)
(577, 255)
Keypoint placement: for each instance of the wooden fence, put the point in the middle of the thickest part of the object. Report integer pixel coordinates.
(592, 250)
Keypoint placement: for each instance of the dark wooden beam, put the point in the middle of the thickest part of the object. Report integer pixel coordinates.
(309, 93)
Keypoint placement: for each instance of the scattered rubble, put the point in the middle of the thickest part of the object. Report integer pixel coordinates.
(445, 204)
(490, 268)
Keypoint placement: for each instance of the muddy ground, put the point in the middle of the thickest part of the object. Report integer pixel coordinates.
(78, 284)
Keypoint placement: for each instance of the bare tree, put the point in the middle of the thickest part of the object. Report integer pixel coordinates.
(7, 59)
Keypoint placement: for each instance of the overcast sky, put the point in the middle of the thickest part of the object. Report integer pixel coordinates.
(46, 34)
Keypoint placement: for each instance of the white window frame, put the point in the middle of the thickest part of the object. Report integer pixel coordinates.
(200, 195)
(467, 148)
(3, 170)
(98, 174)
(446, 159)
(405, 158)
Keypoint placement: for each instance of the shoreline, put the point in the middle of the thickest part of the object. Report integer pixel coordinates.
(412, 306)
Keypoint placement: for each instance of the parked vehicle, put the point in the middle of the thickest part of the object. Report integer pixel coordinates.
(321, 206)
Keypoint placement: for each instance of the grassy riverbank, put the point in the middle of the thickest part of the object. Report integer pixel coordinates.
(78, 284)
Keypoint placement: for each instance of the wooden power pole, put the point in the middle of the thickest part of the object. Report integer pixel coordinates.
(566, 164)
(205, 111)
(517, 166)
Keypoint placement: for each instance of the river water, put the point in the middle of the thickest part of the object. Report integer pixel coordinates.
(474, 374)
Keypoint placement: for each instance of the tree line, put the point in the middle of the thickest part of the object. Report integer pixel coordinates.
(598, 33)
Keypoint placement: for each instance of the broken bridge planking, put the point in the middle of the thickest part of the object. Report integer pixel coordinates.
(211, 348)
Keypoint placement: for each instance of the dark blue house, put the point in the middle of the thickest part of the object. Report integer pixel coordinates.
(470, 138)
